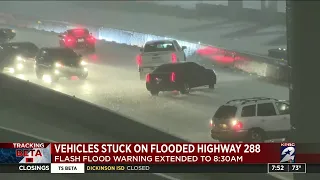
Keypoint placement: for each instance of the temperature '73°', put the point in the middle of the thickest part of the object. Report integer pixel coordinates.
(297, 168)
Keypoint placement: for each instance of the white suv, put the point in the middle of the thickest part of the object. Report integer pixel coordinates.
(252, 120)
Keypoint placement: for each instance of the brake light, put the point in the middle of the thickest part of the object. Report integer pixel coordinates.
(148, 78)
(211, 123)
(91, 39)
(236, 125)
(78, 31)
(69, 39)
(139, 59)
(173, 77)
(173, 58)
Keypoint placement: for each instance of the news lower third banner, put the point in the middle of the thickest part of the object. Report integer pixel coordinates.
(152, 153)
(78, 168)
(155, 158)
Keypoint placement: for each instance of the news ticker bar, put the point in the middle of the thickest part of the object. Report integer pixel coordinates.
(159, 168)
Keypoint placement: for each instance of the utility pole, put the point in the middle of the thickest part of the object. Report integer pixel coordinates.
(303, 54)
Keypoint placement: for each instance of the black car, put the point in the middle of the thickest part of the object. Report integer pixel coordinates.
(17, 56)
(279, 53)
(54, 63)
(6, 35)
(179, 76)
(78, 39)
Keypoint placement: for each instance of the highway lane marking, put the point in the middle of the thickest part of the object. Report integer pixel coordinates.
(53, 141)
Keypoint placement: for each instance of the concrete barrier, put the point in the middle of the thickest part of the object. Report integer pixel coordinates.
(271, 69)
(252, 63)
(246, 4)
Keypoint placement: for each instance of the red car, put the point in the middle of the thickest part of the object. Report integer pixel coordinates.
(78, 39)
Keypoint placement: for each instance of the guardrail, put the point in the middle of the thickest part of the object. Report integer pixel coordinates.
(252, 63)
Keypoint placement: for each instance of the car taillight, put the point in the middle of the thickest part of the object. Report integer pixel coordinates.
(148, 78)
(211, 123)
(91, 39)
(69, 39)
(139, 59)
(173, 58)
(173, 77)
(79, 32)
(236, 125)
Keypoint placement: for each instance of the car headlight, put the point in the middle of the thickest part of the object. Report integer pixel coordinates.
(19, 58)
(234, 122)
(83, 63)
(13, 31)
(211, 123)
(20, 66)
(58, 65)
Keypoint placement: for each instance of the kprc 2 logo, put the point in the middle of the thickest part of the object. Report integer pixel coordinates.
(287, 152)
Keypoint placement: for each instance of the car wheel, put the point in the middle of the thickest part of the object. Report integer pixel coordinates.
(84, 76)
(54, 78)
(142, 76)
(61, 45)
(185, 89)
(91, 49)
(212, 83)
(256, 135)
(211, 86)
(39, 75)
(154, 92)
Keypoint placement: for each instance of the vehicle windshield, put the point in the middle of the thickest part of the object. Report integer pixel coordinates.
(168, 68)
(27, 49)
(79, 32)
(278, 53)
(111, 95)
(5, 30)
(225, 112)
(159, 46)
(63, 55)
